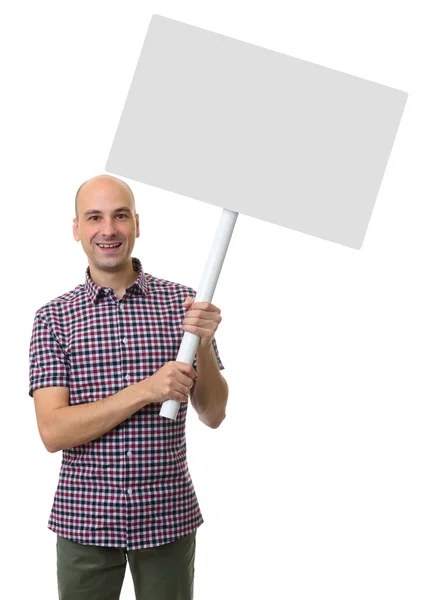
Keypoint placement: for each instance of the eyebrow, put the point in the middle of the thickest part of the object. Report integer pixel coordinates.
(95, 211)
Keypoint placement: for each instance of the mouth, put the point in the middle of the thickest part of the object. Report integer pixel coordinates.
(109, 248)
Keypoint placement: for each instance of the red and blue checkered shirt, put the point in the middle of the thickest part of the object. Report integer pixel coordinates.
(131, 487)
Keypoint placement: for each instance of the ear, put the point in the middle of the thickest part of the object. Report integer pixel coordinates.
(75, 230)
(137, 226)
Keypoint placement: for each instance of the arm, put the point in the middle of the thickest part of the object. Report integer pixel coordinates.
(64, 426)
(209, 394)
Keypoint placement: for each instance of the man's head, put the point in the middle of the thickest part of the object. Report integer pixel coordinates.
(106, 213)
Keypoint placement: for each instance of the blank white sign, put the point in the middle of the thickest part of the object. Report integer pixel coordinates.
(257, 132)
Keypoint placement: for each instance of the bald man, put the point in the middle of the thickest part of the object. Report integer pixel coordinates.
(101, 363)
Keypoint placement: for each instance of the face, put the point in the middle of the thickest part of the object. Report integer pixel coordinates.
(107, 225)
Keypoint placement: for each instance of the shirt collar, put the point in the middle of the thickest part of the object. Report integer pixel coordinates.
(140, 286)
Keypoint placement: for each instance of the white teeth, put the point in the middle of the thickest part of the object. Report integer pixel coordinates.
(108, 245)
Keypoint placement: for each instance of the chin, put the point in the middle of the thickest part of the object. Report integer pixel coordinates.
(110, 263)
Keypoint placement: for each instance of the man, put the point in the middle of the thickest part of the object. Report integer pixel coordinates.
(101, 364)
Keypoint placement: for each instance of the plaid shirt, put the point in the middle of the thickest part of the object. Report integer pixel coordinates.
(131, 487)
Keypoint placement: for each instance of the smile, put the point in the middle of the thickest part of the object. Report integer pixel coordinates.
(109, 248)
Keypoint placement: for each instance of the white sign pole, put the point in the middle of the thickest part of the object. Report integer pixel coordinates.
(190, 341)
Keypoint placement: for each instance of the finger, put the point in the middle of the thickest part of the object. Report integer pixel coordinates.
(197, 317)
(178, 397)
(183, 389)
(201, 324)
(186, 369)
(205, 306)
(184, 381)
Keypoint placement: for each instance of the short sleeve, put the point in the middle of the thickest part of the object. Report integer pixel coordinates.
(49, 365)
(219, 362)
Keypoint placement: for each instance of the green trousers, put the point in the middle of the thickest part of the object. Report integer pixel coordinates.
(97, 573)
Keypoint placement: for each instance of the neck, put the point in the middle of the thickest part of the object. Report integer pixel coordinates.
(118, 280)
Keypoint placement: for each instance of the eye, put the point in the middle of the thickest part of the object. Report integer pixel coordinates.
(94, 217)
(122, 215)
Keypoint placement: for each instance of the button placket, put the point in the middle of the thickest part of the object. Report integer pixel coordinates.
(124, 341)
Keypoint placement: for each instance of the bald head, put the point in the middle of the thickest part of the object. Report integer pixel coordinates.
(101, 182)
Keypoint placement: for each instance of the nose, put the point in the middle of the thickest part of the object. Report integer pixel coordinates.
(109, 229)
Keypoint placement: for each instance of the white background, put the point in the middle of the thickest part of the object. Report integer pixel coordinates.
(314, 485)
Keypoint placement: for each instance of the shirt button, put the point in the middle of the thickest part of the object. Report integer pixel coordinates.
(126, 377)
(124, 340)
(121, 306)
(129, 491)
(129, 453)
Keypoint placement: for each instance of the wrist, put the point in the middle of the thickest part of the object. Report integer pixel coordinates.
(143, 393)
(205, 350)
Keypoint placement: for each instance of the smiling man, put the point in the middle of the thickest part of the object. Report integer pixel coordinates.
(101, 364)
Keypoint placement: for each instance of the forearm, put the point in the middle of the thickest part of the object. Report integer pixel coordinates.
(210, 392)
(79, 424)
